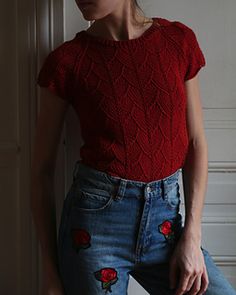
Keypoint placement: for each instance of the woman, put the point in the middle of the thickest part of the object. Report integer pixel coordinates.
(133, 83)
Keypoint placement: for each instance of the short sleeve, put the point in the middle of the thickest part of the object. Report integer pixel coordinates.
(55, 73)
(194, 55)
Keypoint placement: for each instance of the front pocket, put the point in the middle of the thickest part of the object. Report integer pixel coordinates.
(93, 201)
(172, 196)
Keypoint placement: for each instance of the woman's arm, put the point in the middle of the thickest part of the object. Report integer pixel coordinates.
(195, 170)
(47, 137)
(187, 267)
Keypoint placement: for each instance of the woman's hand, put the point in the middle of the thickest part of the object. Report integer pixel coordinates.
(187, 267)
(52, 284)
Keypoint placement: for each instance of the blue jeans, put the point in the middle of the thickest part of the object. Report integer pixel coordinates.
(113, 227)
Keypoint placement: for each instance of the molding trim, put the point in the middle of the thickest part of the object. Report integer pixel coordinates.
(224, 260)
(46, 30)
(222, 167)
(215, 220)
(220, 124)
(219, 220)
(219, 118)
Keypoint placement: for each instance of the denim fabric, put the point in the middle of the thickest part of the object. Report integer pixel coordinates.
(112, 227)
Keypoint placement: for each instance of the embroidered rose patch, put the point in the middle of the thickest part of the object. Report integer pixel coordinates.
(108, 277)
(166, 228)
(81, 238)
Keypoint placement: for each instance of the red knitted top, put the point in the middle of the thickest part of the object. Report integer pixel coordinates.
(129, 96)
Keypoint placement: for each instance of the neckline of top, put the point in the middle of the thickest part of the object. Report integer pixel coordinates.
(155, 24)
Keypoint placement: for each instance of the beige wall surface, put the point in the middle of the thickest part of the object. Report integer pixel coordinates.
(29, 31)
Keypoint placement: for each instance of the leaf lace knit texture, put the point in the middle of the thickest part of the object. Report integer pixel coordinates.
(129, 96)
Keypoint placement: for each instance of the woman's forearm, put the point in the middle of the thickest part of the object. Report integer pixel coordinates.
(195, 177)
(43, 211)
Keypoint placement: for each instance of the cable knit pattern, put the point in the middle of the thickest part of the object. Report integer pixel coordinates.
(129, 96)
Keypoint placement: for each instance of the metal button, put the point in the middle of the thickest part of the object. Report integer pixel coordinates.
(148, 189)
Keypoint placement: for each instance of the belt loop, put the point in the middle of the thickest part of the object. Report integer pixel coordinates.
(76, 168)
(121, 189)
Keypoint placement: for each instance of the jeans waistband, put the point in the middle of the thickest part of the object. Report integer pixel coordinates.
(84, 171)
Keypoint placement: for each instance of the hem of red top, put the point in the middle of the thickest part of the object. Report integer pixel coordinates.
(155, 24)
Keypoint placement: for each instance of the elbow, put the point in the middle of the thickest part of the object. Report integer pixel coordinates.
(198, 141)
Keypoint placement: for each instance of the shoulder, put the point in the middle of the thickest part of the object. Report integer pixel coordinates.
(176, 26)
(185, 39)
(66, 54)
(58, 67)
(179, 32)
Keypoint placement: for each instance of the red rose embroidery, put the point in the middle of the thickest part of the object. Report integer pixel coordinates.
(166, 229)
(108, 277)
(81, 238)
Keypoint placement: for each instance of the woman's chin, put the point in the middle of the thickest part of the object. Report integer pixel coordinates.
(87, 16)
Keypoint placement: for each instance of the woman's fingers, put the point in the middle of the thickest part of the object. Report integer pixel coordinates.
(183, 283)
(188, 273)
(191, 282)
(196, 285)
(205, 282)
